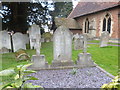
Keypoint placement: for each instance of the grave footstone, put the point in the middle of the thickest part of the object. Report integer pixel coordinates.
(104, 39)
(33, 31)
(38, 59)
(62, 47)
(85, 59)
(18, 42)
(5, 42)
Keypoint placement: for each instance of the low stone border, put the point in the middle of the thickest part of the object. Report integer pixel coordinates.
(107, 73)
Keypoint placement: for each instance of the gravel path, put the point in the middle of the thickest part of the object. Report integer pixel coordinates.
(84, 78)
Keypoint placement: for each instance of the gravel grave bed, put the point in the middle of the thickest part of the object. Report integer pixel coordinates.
(91, 77)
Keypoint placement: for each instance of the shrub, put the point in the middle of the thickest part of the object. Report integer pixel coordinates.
(114, 84)
(20, 75)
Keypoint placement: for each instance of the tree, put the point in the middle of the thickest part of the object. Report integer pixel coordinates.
(61, 9)
(17, 16)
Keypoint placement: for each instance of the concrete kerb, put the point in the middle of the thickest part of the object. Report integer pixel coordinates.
(107, 73)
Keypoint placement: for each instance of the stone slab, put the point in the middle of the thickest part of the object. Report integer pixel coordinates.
(62, 63)
(85, 60)
(38, 62)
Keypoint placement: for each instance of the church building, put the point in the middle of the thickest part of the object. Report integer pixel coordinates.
(96, 17)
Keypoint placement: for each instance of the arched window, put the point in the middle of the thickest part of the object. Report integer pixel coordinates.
(87, 26)
(104, 24)
(107, 23)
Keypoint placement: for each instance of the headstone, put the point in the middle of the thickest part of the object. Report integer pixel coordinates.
(33, 31)
(18, 41)
(4, 50)
(78, 42)
(62, 46)
(85, 59)
(104, 39)
(5, 40)
(26, 38)
(38, 59)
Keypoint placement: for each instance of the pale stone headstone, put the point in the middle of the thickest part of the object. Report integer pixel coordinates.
(78, 42)
(62, 47)
(18, 41)
(26, 38)
(62, 44)
(33, 31)
(5, 40)
(104, 39)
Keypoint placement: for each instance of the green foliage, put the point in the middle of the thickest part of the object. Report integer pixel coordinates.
(114, 84)
(19, 74)
(62, 9)
(47, 36)
(74, 71)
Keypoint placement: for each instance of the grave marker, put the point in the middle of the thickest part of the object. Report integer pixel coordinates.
(104, 39)
(18, 41)
(33, 31)
(62, 46)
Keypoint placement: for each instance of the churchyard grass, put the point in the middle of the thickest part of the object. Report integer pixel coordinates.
(106, 57)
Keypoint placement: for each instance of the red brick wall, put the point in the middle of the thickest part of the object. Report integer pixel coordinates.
(98, 18)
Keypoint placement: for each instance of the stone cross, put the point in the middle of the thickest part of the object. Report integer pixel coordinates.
(38, 44)
(84, 43)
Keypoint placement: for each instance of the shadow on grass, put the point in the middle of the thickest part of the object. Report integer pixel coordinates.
(107, 47)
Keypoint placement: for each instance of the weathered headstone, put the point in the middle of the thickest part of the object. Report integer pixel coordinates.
(18, 41)
(104, 39)
(62, 47)
(33, 31)
(4, 50)
(84, 59)
(78, 42)
(38, 60)
(26, 38)
(5, 41)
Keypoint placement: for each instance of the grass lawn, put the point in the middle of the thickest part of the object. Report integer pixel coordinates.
(107, 57)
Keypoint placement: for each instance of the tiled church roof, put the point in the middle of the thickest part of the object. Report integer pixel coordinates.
(84, 8)
(68, 22)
